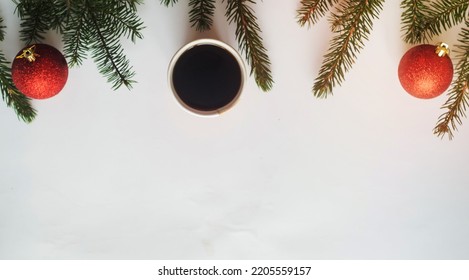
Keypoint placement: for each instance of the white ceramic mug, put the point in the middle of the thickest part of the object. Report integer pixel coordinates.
(222, 46)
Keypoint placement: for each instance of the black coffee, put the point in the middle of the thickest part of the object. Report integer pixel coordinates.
(206, 77)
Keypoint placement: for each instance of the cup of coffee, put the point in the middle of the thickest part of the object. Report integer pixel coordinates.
(206, 77)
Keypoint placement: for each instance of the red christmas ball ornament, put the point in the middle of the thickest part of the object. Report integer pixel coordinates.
(39, 71)
(426, 71)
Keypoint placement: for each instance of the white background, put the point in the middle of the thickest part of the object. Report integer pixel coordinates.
(130, 175)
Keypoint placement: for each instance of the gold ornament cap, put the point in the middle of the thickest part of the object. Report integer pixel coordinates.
(29, 54)
(442, 49)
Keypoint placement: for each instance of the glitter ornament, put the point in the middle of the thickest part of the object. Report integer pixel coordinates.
(426, 71)
(39, 71)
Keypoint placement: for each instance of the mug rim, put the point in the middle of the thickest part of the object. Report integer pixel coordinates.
(212, 42)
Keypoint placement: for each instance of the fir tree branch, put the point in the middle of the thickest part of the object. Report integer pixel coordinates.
(12, 97)
(38, 16)
(445, 14)
(168, 2)
(2, 30)
(106, 49)
(76, 40)
(87, 25)
(97, 26)
(250, 41)
(413, 20)
(423, 19)
(201, 14)
(34, 19)
(311, 11)
(353, 24)
(125, 21)
(458, 100)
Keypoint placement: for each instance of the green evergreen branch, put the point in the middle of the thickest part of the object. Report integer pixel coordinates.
(106, 49)
(168, 2)
(413, 20)
(423, 19)
(458, 100)
(35, 19)
(201, 14)
(124, 20)
(76, 40)
(311, 11)
(2, 30)
(107, 21)
(445, 14)
(250, 41)
(38, 16)
(353, 24)
(12, 97)
(87, 25)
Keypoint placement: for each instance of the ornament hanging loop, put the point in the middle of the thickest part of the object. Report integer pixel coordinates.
(442, 49)
(29, 53)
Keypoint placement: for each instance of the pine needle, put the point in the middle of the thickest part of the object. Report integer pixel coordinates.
(39, 16)
(458, 100)
(250, 41)
(12, 97)
(76, 39)
(414, 21)
(104, 42)
(311, 11)
(445, 14)
(168, 2)
(201, 14)
(423, 19)
(94, 26)
(353, 24)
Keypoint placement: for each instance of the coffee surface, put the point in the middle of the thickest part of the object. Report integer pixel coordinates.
(207, 77)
